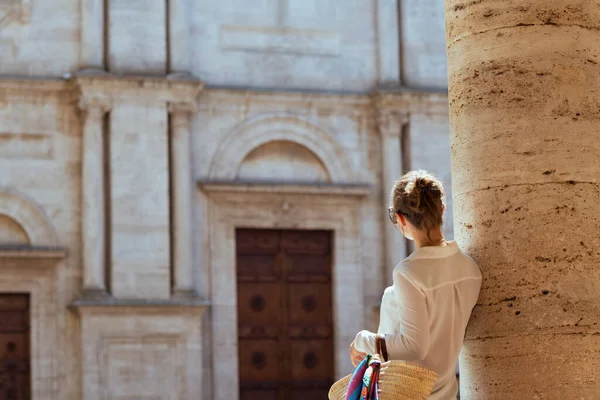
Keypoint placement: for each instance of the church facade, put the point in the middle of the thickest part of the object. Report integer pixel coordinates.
(193, 194)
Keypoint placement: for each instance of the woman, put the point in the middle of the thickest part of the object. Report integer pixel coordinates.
(425, 313)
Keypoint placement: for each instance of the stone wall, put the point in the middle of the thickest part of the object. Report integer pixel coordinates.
(285, 43)
(302, 44)
(341, 134)
(423, 44)
(40, 180)
(120, 184)
(39, 38)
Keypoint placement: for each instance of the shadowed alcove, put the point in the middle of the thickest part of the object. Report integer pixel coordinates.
(11, 232)
(282, 161)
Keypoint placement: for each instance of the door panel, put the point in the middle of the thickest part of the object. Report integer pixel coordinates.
(259, 304)
(259, 361)
(310, 394)
(311, 359)
(310, 304)
(249, 394)
(258, 268)
(308, 268)
(257, 256)
(285, 324)
(14, 347)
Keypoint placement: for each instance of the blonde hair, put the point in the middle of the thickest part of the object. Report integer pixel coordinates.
(419, 197)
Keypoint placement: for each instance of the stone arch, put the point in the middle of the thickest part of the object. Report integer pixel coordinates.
(12, 233)
(282, 160)
(29, 217)
(279, 127)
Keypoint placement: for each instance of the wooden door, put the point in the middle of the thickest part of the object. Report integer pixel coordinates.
(285, 323)
(14, 347)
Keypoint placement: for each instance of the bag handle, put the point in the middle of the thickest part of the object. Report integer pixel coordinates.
(380, 347)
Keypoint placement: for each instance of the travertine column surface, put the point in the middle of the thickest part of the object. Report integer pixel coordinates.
(181, 196)
(524, 93)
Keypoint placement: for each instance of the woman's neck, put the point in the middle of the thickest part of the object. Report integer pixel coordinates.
(435, 238)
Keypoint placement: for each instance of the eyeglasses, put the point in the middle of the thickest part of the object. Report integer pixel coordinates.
(393, 214)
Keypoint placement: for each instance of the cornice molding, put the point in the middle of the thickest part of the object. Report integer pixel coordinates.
(226, 98)
(180, 92)
(108, 305)
(270, 188)
(96, 88)
(407, 101)
(103, 89)
(33, 252)
(35, 90)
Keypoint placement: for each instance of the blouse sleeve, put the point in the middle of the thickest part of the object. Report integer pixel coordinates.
(411, 342)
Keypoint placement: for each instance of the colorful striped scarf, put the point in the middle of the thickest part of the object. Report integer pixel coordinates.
(364, 381)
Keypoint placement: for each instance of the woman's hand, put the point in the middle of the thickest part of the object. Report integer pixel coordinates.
(356, 356)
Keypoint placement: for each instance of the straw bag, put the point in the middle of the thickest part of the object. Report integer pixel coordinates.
(401, 381)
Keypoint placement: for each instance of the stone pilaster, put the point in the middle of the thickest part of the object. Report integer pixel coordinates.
(388, 37)
(390, 127)
(92, 34)
(524, 78)
(140, 225)
(92, 197)
(137, 38)
(179, 33)
(181, 197)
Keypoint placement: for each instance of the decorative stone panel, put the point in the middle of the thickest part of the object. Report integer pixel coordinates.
(135, 350)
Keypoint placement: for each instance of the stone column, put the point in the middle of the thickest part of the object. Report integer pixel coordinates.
(181, 197)
(524, 94)
(390, 128)
(93, 222)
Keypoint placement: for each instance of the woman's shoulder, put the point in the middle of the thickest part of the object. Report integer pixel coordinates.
(409, 266)
(409, 270)
(429, 273)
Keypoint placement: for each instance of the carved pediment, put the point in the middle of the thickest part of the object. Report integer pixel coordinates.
(25, 231)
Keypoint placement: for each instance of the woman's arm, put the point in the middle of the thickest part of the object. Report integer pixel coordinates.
(411, 342)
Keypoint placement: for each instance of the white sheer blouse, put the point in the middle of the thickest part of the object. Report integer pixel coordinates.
(425, 313)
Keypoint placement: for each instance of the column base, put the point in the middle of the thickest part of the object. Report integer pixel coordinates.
(184, 294)
(94, 294)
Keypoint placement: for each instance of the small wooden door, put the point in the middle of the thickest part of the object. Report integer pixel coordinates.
(14, 347)
(285, 324)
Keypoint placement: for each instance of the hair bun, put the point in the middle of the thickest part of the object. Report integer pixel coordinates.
(421, 188)
(423, 184)
(420, 196)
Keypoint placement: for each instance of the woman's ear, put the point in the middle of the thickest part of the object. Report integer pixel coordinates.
(402, 224)
(401, 219)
